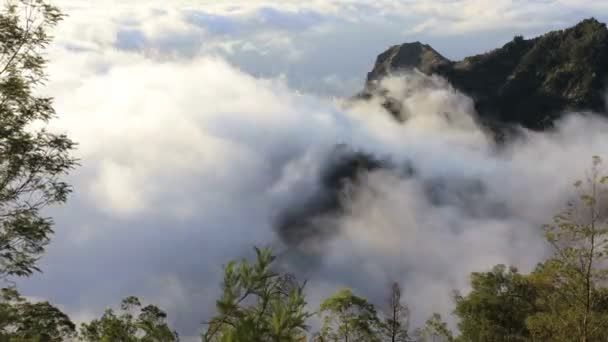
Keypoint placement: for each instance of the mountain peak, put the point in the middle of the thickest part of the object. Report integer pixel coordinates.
(527, 82)
(408, 55)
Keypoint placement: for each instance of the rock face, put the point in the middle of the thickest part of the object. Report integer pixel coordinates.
(527, 82)
(417, 55)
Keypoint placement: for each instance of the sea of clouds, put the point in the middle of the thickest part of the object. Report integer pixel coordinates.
(199, 125)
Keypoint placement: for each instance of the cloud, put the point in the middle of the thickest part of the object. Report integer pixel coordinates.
(314, 40)
(174, 154)
(461, 211)
(465, 205)
(199, 123)
(186, 165)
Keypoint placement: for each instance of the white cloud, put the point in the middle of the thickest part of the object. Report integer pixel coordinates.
(312, 40)
(194, 133)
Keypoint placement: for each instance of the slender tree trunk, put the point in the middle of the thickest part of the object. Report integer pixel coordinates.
(346, 332)
(589, 269)
(394, 325)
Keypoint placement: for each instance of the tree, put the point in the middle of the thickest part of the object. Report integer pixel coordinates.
(32, 160)
(134, 324)
(258, 304)
(497, 307)
(394, 327)
(434, 330)
(573, 298)
(21, 320)
(348, 318)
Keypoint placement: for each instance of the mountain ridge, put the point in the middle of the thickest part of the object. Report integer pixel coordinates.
(526, 82)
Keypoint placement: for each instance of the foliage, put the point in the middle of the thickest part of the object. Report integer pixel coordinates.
(347, 317)
(133, 324)
(22, 321)
(32, 160)
(434, 330)
(258, 304)
(394, 326)
(573, 297)
(497, 307)
(564, 299)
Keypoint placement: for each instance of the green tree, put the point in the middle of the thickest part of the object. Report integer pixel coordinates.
(22, 321)
(258, 304)
(32, 160)
(394, 326)
(434, 330)
(348, 318)
(133, 324)
(497, 307)
(573, 297)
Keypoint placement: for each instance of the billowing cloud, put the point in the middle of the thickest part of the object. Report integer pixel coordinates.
(200, 123)
(323, 47)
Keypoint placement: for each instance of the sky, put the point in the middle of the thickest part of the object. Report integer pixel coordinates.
(198, 122)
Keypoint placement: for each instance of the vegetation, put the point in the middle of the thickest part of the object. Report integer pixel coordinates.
(434, 330)
(573, 301)
(24, 321)
(134, 324)
(347, 317)
(497, 307)
(564, 299)
(394, 327)
(258, 304)
(526, 82)
(31, 161)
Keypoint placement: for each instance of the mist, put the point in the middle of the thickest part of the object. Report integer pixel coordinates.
(445, 201)
(188, 163)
